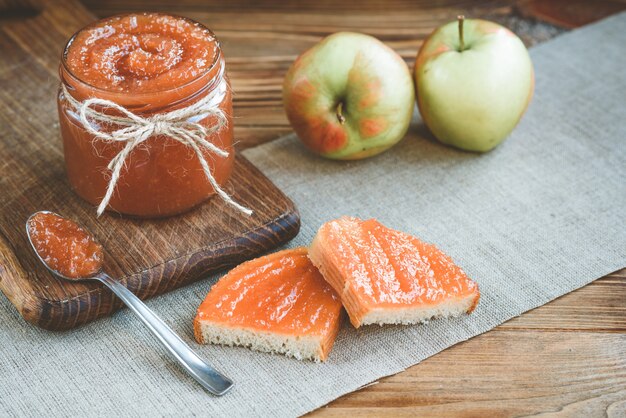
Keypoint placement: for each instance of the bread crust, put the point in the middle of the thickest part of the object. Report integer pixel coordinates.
(197, 333)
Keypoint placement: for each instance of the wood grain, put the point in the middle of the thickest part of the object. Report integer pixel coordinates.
(494, 375)
(565, 358)
(150, 257)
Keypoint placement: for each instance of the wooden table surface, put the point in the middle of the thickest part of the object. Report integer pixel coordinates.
(567, 357)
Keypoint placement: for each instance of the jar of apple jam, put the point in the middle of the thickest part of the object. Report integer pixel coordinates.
(131, 69)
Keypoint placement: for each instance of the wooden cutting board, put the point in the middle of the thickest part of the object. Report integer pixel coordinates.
(150, 257)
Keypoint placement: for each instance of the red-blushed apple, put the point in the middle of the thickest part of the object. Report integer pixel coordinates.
(350, 96)
(473, 81)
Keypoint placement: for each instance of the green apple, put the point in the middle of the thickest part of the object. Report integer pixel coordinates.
(473, 80)
(350, 96)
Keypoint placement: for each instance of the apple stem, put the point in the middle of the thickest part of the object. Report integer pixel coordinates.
(461, 19)
(340, 117)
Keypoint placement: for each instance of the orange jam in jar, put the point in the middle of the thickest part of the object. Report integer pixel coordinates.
(132, 69)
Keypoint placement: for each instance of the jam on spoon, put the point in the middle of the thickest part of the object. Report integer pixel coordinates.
(72, 253)
(64, 246)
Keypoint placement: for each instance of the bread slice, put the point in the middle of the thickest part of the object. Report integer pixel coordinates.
(389, 277)
(279, 303)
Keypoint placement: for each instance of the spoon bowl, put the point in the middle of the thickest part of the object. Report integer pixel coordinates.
(56, 272)
(209, 378)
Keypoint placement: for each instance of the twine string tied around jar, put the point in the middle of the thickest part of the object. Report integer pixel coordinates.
(133, 130)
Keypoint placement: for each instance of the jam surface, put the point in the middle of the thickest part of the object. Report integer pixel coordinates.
(146, 52)
(388, 268)
(65, 246)
(282, 293)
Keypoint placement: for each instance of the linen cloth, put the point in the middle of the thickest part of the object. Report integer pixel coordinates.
(540, 216)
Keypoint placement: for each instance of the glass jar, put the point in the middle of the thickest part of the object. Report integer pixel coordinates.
(161, 176)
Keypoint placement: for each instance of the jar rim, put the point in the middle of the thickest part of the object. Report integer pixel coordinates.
(216, 60)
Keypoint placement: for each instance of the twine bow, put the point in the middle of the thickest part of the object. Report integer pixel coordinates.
(180, 125)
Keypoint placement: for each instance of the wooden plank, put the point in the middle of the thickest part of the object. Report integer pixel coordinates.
(504, 373)
(331, 7)
(599, 307)
(150, 257)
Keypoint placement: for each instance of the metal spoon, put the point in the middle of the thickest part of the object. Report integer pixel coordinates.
(213, 381)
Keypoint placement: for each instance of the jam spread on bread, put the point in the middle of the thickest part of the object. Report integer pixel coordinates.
(276, 303)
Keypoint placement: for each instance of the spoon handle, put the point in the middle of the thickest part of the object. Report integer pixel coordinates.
(208, 377)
